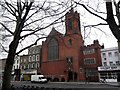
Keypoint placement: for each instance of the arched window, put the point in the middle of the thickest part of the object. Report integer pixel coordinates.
(53, 49)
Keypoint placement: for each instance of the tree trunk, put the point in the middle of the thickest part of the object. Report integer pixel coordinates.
(112, 23)
(21, 12)
(9, 64)
(119, 46)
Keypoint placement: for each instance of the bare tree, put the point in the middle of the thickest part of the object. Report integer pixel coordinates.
(112, 13)
(21, 20)
(114, 26)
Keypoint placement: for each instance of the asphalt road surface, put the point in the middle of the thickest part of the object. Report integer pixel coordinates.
(70, 85)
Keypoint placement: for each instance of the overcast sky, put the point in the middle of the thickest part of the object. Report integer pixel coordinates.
(104, 34)
(90, 34)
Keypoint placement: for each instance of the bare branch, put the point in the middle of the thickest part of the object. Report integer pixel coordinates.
(27, 10)
(96, 10)
(111, 21)
(30, 45)
(38, 29)
(33, 14)
(46, 17)
(45, 36)
(12, 9)
(19, 6)
(7, 28)
(7, 17)
(96, 25)
(90, 10)
(3, 48)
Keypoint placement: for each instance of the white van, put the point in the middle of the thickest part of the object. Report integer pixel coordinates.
(38, 78)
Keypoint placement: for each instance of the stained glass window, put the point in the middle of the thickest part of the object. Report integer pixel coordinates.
(53, 49)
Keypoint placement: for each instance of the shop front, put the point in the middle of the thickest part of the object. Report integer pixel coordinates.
(109, 73)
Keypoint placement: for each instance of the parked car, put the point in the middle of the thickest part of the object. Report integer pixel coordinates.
(38, 78)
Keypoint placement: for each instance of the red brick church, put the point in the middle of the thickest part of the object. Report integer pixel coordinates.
(66, 58)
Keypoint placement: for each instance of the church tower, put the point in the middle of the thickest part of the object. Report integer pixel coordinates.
(72, 22)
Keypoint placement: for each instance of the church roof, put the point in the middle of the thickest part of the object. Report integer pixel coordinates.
(54, 32)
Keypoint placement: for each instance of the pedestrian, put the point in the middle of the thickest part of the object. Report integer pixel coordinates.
(87, 79)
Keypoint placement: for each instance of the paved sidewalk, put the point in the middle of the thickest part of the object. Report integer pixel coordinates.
(115, 84)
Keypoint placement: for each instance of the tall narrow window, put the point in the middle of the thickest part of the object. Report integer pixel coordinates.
(69, 24)
(53, 49)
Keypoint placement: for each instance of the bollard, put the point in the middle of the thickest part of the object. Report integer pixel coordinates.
(68, 88)
(12, 87)
(53, 89)
(42, 88)
(28, 88)
(37, 88)
(60, 89)
(32, 88)
(16, 88)
(24, 87)
(56, 88)
(48, 88)
(21, 88)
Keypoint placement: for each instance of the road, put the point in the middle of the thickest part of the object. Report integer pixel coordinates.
(69, 85)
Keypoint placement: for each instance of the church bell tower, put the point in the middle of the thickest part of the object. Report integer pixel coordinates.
(72, 22)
